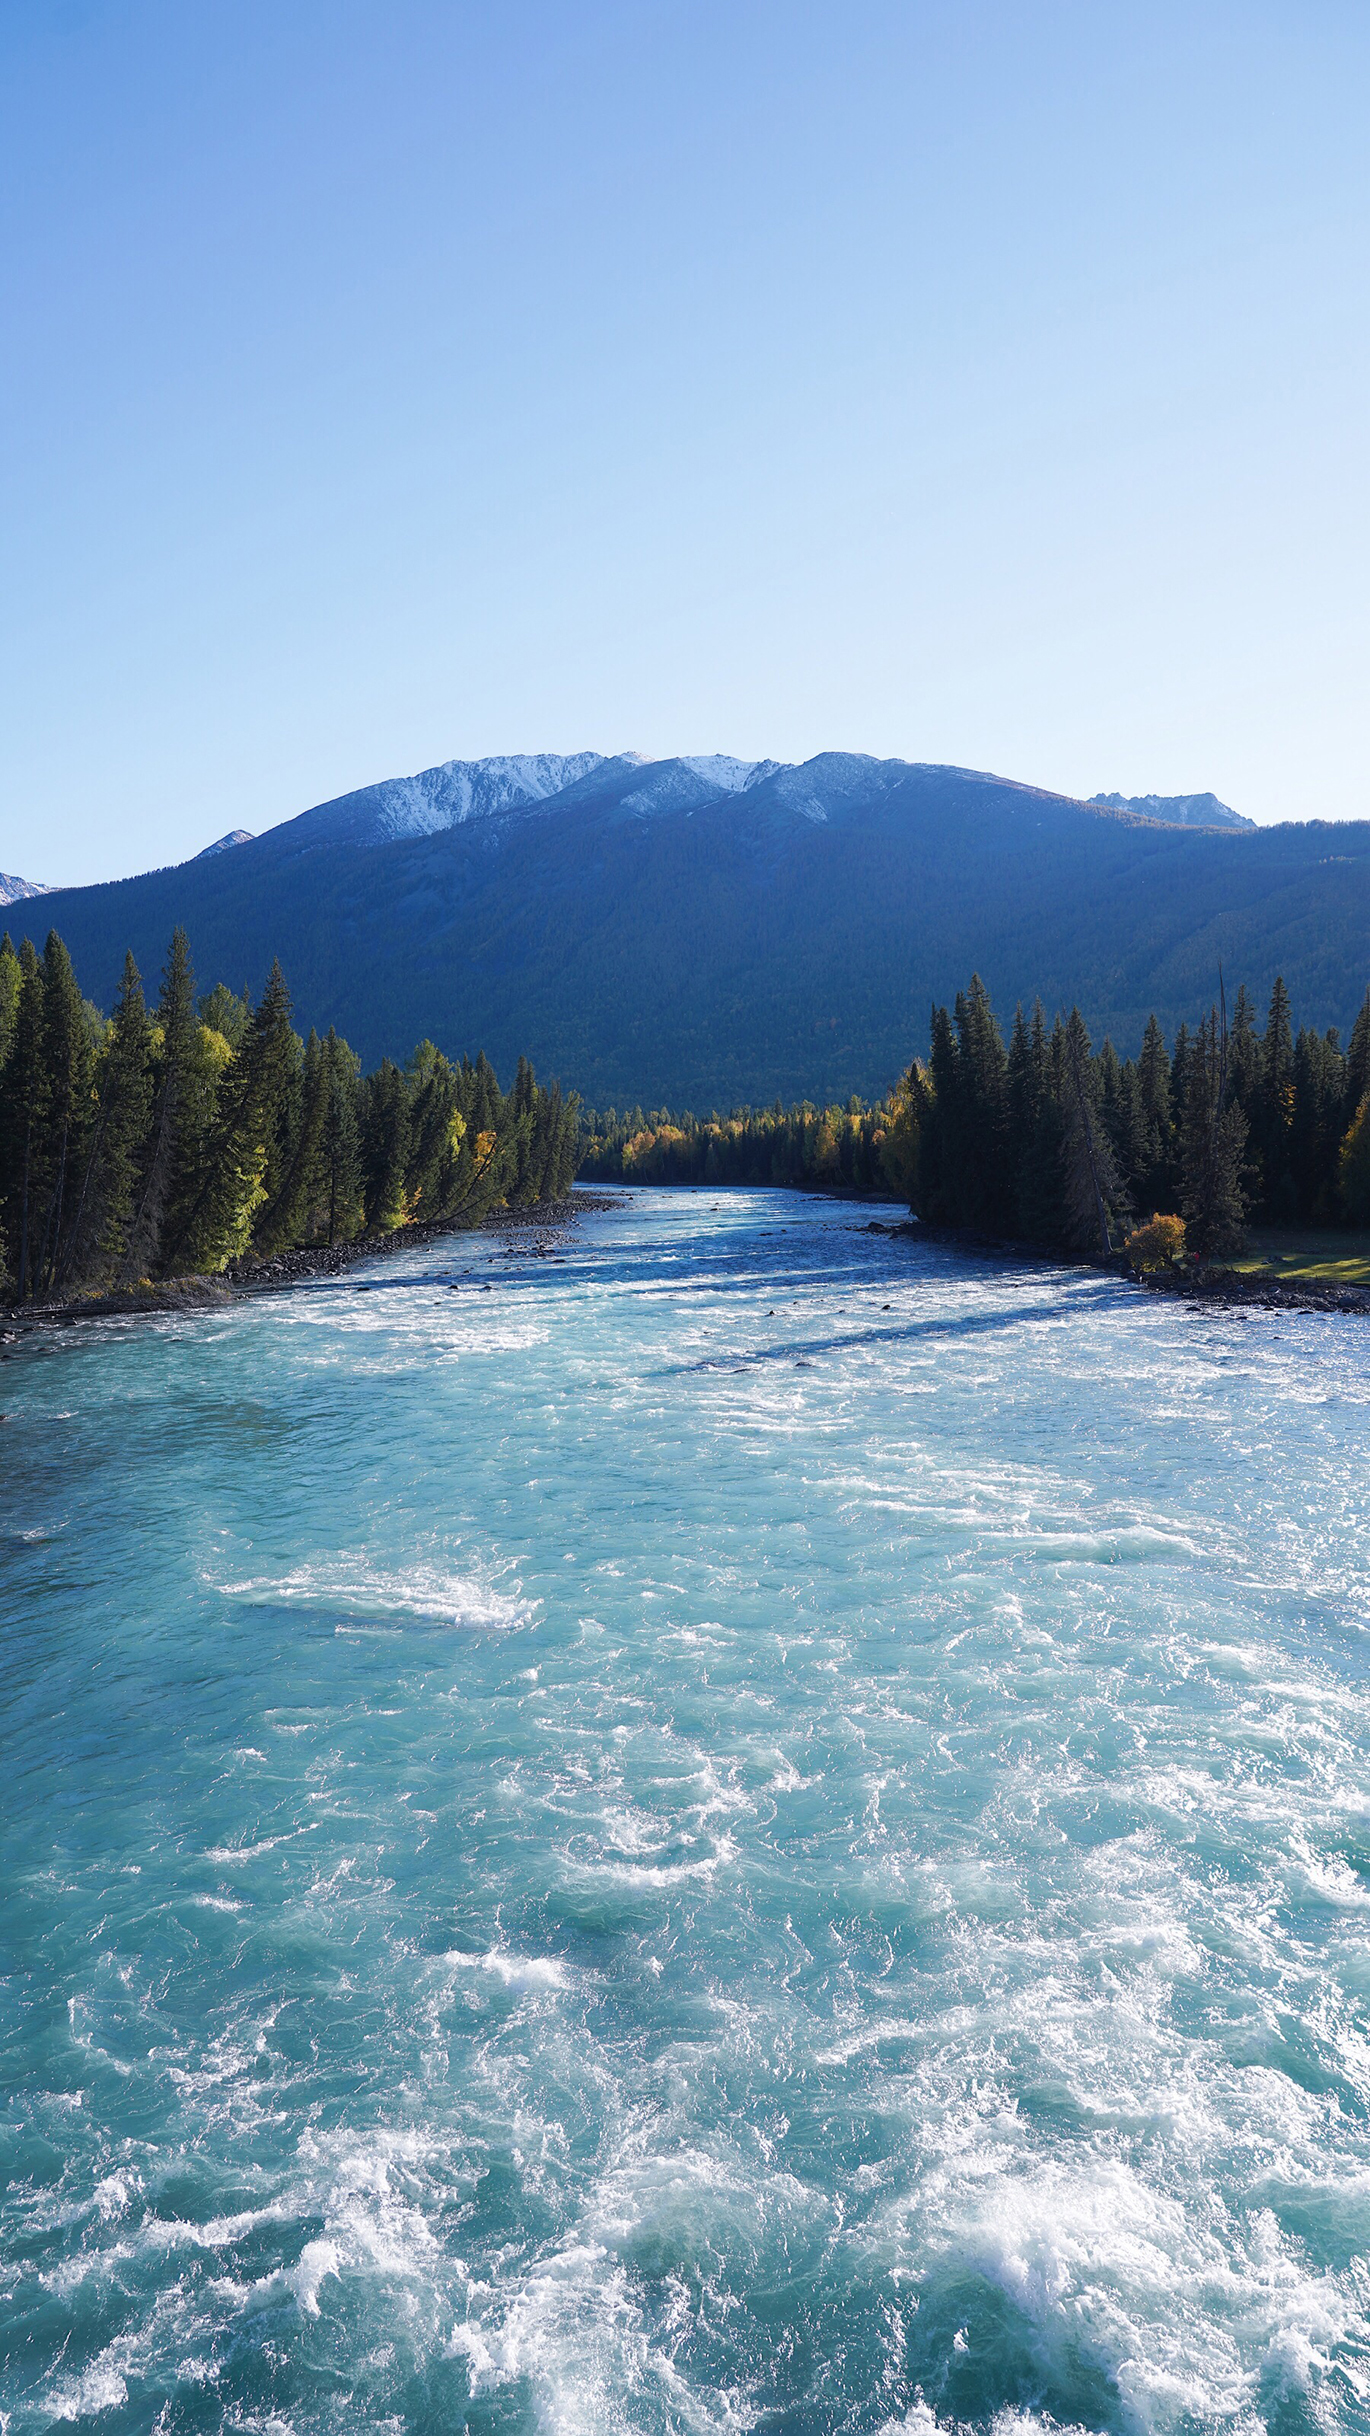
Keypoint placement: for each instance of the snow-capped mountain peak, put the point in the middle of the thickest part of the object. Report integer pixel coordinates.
(231, 837)
(14, 890)
(447, 796)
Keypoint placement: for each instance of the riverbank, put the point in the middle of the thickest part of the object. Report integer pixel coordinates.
(545, 1219)
(1240, 1288)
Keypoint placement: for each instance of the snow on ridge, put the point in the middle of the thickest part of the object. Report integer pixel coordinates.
(725, 773)
(221, 845)
(13, 890)
(687, 780)
(458, 791)
(624, 784)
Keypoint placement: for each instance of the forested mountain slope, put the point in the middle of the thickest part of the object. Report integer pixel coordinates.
(704, 932)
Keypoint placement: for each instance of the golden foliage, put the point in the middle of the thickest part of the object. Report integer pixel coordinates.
(1157, 1245)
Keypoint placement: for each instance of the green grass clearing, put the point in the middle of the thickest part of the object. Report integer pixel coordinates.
(1332, 1256)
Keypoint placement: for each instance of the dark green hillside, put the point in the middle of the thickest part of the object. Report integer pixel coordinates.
(772, 943)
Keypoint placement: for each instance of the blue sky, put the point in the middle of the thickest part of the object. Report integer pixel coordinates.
(972, 382)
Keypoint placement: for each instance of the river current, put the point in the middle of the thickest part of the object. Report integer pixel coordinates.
(761, 1826)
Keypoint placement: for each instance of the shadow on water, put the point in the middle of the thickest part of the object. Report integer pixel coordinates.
(969, 1323)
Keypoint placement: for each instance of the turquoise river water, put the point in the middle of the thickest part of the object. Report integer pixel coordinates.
(761, 1827)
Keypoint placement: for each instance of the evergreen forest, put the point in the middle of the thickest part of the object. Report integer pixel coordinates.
(836, 1149)
(1047, 1140)
(175, 1139)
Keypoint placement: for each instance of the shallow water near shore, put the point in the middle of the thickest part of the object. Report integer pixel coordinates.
(760, 1827)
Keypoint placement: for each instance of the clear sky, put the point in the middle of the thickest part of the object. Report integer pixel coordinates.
(385, 380)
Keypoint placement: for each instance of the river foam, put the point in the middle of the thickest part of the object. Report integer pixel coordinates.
(764, 1829)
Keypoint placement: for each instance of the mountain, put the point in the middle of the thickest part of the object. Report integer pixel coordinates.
(13, 891)
(1179, 811)
(231, 837)
(705, 931)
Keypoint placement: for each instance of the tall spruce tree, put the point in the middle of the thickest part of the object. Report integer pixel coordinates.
(288, 1216)
(338, 1186)
(182, 1117)
(1315, 1132)
(9, 995)
(1213, 1196)
(247, 1150)
(1274, 1135)
(67, 1104)
(98, 1238)
(1357, 1079)
(985, 1172)
(1095, 1200)
(1155, 1184)
(385, 1145)
(21, 1125)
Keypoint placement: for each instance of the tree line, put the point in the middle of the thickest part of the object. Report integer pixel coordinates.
(832, 1149)
(1050, 1140)
(171, 1140)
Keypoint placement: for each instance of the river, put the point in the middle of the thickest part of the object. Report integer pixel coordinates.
(758, 1826)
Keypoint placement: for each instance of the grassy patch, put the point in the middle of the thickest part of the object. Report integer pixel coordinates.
(1333, 1256)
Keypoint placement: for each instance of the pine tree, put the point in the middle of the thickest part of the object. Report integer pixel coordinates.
(1095, 1201)
(245, 1157)
(1179, 1094)
(436, 1131)
(1213, 1199)
(339, 1187)
(938, 1152)
(1353, 1176)
(385, 1145)
(1357, 1082)
(984, 1186)
(1154, 1182)
(287, 1218)
(21, 1122)
(9, 995)
(1279, 1197)
(99, 1234)
(182, 1118)
(1244, 1057)
(1316, 1128)
(67, 1106)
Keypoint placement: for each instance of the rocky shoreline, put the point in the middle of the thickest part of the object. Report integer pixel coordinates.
(1237, 1288)
(544, 1219)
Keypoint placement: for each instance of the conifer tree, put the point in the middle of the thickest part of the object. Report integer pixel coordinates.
(1213, 1199)
(1179, 1095)
(1154, 1181)
(437, 1128)
(984, 1190)
(21, 1123)
(1095, 1201)
(67, 1108)
(339, 1188)
(385, 1145)
(286, 1217)
(939, 1142)
(1279, 1197)
(1354, 1167)
(1315, 1130)
(1244, 1061)
(247, 1151)
(182, 1116)
(9, 995)
(1357, 1082)
(98, 1238)
(1039, 1135)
